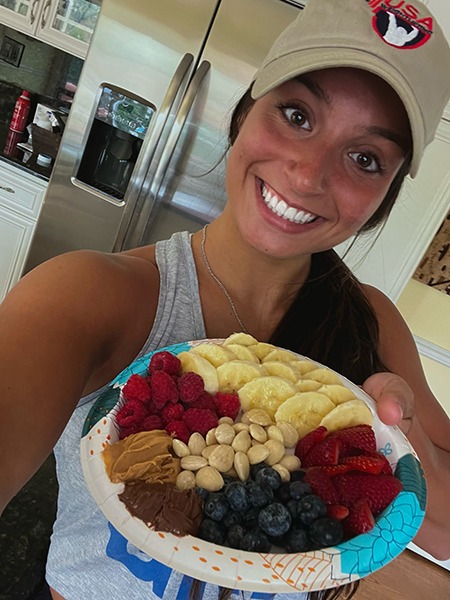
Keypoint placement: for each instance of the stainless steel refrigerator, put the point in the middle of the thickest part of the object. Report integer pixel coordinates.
(143, 152)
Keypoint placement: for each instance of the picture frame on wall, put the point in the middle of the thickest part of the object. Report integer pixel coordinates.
(434, 268)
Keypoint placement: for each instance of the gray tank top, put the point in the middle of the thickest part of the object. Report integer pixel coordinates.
(88, 557)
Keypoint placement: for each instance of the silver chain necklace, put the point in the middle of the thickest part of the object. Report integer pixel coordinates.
(219, 283)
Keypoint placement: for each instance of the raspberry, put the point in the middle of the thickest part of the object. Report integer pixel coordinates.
(172, 412)
(204, 401)
(200, 419)
(227, 405)
(152, 422)
(165, 361)
(137, 388)
(191, 386)
(164, 389)
(131, 414)
(179, 430)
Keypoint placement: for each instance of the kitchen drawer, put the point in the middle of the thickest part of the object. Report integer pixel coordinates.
(20, 192)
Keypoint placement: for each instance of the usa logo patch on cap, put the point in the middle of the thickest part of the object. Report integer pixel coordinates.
(401, 24)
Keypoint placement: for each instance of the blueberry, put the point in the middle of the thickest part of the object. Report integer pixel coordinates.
(298, 475)
(296, 540)
(232, 518)
(228, 479)
(282, 493)
(274, 519)
(250, 518)
(255, 541)
(254, 469)
(291, 505)
(269, 476)
(298, 489)
(202, 492)
(237, 496)
(326, 532)
(259, 494)
(216, 506)
(310, 508)
(211, 531)
(235, 536)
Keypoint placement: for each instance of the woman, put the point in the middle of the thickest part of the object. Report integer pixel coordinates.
(319, 148)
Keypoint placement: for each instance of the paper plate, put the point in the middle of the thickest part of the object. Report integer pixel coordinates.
(259, 572)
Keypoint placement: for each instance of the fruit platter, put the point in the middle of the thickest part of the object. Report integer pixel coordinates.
(251, 467)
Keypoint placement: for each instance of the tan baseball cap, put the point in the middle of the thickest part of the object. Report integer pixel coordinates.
(403, 44)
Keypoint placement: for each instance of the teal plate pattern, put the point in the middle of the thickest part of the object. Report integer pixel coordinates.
(332, 567)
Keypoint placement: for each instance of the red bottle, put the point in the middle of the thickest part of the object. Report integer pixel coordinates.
(20, 114)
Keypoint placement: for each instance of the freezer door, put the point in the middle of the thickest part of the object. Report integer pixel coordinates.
(146, 49)
(192, 192)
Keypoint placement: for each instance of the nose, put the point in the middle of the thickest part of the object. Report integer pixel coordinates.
(308, 171)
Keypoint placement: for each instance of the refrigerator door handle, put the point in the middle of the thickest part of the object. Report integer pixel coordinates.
(150, 146)
(135, 238)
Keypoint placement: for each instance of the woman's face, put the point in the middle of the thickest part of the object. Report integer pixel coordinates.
(314, 159)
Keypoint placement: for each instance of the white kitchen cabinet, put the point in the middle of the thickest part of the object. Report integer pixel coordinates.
(21, 196)
(65, 24)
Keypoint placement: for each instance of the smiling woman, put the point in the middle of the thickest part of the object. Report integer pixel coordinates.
(340, 111)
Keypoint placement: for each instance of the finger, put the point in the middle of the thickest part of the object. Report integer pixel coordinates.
(394, 397)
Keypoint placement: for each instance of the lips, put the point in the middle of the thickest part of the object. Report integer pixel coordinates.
(282, 208)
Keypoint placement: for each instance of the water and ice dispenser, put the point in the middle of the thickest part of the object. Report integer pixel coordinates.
(115, 138)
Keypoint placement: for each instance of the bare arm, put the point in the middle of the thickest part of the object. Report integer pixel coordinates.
(429, 429)
(66, 329)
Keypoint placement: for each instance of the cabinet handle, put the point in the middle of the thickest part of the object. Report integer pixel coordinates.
(7, 189)
(44, 13)
(33, 13)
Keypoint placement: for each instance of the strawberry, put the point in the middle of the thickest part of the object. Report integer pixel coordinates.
(378, 490)
(322, 486)
(337, 511)
(309, 440)
(360, 519)
(332, 470)
(368, 464)
(356, 440)
(325, 452)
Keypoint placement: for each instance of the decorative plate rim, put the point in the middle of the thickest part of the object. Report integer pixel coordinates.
(251, 571)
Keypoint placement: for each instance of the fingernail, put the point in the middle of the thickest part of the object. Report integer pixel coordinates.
(400, 409)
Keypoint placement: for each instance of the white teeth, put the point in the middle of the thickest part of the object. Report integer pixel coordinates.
(282, 209)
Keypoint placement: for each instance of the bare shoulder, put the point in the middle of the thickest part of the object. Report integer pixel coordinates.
(106, 302)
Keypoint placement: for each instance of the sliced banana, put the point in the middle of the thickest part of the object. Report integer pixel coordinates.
(304, 366)
(243, 352)
(262, 349)
(245, 339)
(323, 375)
(266, 393)
(336, 393)
(196, 363)
(348, 414)
(282, 369)
(304, 410)
(307, 385)
(281, 355)
(216, 354)
(234, 374)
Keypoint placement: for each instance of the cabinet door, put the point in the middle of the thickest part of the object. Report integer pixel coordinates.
(68, 25)
(23, 15)
(15, 238)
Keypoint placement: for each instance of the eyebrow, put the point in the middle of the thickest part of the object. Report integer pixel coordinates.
(388, 134)
(314, 88)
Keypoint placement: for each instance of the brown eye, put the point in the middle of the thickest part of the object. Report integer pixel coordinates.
(367, 162)
(296, 117)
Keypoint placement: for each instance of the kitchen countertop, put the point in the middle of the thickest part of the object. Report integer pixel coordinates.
(15, 156)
